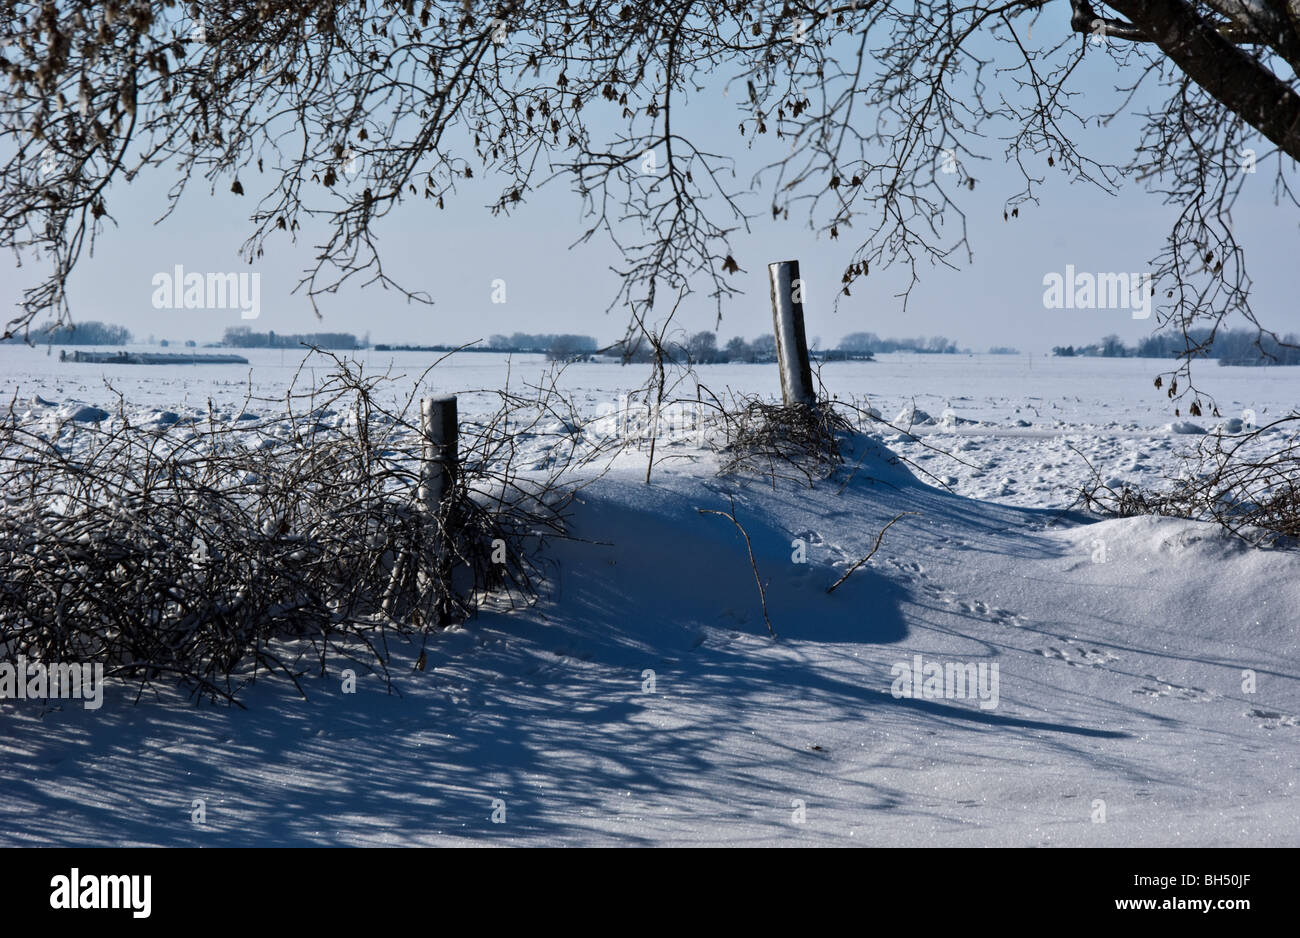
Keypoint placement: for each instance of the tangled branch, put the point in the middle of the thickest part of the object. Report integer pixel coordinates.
(211, 551)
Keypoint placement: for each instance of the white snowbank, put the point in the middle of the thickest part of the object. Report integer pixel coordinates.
(643, 702)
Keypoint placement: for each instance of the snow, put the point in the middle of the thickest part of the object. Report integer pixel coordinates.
(83, 413)
(643, 702)
(911, 415)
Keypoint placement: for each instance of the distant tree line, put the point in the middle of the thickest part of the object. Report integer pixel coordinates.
(557, 347)
(870, 342)
(1230, 347)
(703, 349)
(89, 332)
(244, 337)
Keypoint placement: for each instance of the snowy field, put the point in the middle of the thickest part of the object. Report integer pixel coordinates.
(1013, 421)
(1139, 678)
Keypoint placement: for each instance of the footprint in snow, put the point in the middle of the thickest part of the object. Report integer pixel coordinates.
(975, 607)
(1079, 657)
(908, 566)
(992, 613)
(1166, 689)
(1271, 720)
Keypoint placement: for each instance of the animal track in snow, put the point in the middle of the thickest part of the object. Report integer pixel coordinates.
(1271, 719)
(1076, 655)
(1166, 689)
(992, 613)
(975, 607)
(911, 567)
(917, 573)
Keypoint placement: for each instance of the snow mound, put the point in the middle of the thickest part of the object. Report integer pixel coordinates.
(83, 413)
(1149, 536)
(1232, 425)
(660, 711)
(1182, 426)
(913, 416)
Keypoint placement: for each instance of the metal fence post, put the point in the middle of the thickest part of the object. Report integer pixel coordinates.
(438, 432)
(791, 343)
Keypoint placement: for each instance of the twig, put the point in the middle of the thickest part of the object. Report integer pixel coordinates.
(879, 537)
(762, 594)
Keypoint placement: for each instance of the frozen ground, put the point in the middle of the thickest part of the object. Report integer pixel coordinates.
(1014, 421)
(643, 702)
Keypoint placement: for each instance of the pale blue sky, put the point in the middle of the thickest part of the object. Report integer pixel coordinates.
(455, 254)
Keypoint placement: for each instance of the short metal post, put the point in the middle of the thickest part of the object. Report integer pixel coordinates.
(791, 343)
(438, 431)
